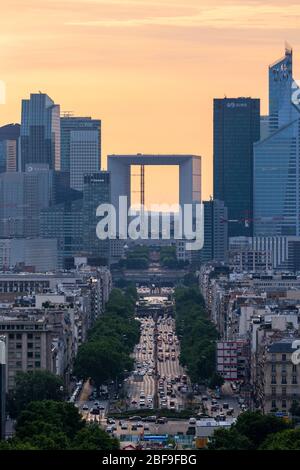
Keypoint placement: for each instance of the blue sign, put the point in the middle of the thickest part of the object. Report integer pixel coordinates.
(154, 437)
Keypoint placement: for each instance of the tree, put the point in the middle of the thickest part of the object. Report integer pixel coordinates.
(229, 439)
(295, 408)
(257, 427)
(101, 361)
(284, 440)
(216, 380)
(49, 416)
(91, 437)
(34, 386)
(50, 425)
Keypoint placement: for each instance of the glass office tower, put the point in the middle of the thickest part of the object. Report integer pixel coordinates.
(40, 131)
(68, 126)
(97, 190)
(236, 128)
(277, 158)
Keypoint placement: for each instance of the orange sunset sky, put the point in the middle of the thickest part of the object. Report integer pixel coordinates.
(148, 68)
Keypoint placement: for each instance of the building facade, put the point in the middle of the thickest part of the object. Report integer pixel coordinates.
(40, 131)
(236, 128)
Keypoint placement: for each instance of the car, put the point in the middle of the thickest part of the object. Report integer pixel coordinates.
(134, 427)
(161, 420)
(95, 411)
(135, 418)
(101, 407)
(85, 408)
(139, 425)
(146, 427)
(124, 426)
(109, 429)
(150, 419)
(134, 402)
(110, 421)
(225, 406)
(192, 421)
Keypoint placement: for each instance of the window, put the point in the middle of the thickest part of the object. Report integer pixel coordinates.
(11, 336)
(283, 379)
(30, 354)
(294, 368)
(273, 404)
(284, 391)
(273, 357)
(37, 364)
(18, 336)
(283, 403)
(273, 367)
(273, 380)
(294, 380)
(273, 391)
(29, 345)
(19, 345)
(284, 357)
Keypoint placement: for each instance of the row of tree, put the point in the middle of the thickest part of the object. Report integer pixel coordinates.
(106, 355)
(255, 431)
(56, 425)
(197, 335)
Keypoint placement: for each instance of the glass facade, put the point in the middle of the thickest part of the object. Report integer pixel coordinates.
(277, 159)
(73, 124)
(97, 190)
(40, 131)
(236, 128)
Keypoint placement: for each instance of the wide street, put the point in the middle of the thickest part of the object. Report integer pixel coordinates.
(158, 379)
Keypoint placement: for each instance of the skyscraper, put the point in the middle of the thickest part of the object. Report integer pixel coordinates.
(236, 128)
(40, 131)
(277, 158)
(215, 232)
(97, 190)
(71, 124)
(9, 144)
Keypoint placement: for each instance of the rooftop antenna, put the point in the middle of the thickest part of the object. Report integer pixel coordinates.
(67, 114)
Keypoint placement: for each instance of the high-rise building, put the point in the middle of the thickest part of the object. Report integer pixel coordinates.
(277, 158)
(63, 222)
(40, 131)
(97, 190)
(22, 197)
(236, 128)
(215, 232)
(9, 145)
(3, 362)
(84, 156)
(69, 125)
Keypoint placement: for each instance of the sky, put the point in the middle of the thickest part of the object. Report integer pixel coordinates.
(148, 68)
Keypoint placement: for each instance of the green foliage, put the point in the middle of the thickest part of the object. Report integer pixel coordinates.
(284, 440)
(34, 386)
(229, 439)
(254, 430)
(295, 408)
(197, 333)
(91, 437)
(50, 425)
(106, 354)
(257, 427)
(138, 258)
(216, 381)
